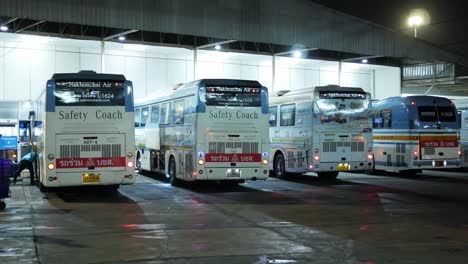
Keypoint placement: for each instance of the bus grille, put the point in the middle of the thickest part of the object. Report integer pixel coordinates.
(331, 146)
(74, 151)
(220, 147)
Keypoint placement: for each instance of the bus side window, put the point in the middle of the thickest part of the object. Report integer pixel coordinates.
(386, 118)
(137, 117)
(179, 112)
(273, 116)
(376, 119)
(287, 115)
(164, 119)
(154, 114)
(144, 116)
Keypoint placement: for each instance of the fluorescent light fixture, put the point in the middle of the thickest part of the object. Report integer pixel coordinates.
(217, 47)
(4, 28)
(364, 61)
(122, 38)
(297, 54)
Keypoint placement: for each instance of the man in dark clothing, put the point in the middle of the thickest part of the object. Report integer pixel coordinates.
(26, 162)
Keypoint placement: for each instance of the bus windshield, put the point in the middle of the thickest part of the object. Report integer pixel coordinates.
(233, 96)
(436, 114)
(95, 93)
(342, 107)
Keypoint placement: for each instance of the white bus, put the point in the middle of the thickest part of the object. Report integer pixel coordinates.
(210, 129)
(414, 133)
(324, 129)
(84, 126)
(462, 109)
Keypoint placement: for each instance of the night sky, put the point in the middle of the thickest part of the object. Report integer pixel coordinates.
(449, 19)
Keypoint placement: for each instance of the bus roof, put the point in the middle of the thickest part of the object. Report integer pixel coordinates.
(408, 99)
(328, 88)
(183, 89)
(222, 82)
(87, 76)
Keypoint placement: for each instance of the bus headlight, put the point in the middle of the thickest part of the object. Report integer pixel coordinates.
(130, 164)
(201, 162)
(51, 166)
(265, 162)
(370, 156)
(316, 157)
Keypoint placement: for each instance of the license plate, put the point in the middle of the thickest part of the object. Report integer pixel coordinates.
(439, 163)
(343, 167)
(233, 173)
(87, 178)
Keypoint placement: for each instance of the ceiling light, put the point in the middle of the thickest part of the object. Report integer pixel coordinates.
(364, 61)
(297, 54)
(217, 47)
(122, 38)
(4, 28)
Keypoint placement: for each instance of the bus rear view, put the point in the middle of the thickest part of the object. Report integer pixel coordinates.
(414, 133)
(86, 135)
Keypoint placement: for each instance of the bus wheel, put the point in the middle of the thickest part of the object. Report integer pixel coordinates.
(327, 175)
(42, 188)
(2, 205)
(172, 172)
(279, 166)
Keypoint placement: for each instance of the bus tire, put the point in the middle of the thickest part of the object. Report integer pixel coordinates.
(172, 172)
(2, 205)
(42, 188)
(327, 175)
(279, 166)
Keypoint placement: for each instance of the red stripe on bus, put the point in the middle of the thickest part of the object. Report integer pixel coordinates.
(222, 157)
(71, 163)
(438, 143)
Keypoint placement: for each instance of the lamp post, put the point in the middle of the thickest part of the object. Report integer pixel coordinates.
(418, 17)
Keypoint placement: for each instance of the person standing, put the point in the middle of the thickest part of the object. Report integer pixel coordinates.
(26, 162)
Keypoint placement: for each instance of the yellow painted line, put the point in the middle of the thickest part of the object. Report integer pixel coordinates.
(395, 137)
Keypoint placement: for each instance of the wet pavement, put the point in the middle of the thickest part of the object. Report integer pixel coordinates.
(357, 219)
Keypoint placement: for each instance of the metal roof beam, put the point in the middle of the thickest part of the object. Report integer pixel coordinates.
(8, 21)
(30, 26)
(216, 43)
(292, 51)
(120, 34)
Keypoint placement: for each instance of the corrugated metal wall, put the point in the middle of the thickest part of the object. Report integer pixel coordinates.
(269, 21)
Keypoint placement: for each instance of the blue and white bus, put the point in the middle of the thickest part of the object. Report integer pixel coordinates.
(414, 133)
(323, 129)
(84, 125)
(205, 130)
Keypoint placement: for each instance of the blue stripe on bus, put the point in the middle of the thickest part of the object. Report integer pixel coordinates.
(50, 97)
(129, 96)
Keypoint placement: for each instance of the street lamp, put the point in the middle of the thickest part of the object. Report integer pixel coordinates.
(418, 17)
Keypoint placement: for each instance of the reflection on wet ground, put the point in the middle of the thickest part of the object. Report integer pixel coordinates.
(357, 219)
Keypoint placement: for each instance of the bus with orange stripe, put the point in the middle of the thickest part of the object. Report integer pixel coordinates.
(415, 133)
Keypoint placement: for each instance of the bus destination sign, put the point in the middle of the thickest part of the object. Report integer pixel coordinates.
(89, 94)
(342, 95)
